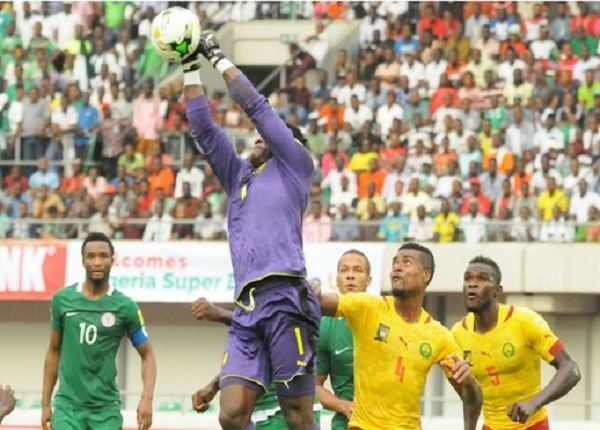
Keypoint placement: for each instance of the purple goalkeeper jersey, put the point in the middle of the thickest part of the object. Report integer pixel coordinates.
(266, 205)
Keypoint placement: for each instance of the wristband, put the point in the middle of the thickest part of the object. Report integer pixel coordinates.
(191, 78)
(223, 64)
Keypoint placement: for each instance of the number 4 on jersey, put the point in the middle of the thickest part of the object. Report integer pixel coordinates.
(87, 333)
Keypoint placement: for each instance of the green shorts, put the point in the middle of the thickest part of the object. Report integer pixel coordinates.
(64, 418)
(277, 421)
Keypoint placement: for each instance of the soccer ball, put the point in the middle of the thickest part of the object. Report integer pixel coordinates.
(175, 33)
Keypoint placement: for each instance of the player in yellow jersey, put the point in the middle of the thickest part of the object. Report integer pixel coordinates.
(396, 342)
(504, 346)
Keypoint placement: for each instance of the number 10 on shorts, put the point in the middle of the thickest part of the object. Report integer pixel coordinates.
(87, 333)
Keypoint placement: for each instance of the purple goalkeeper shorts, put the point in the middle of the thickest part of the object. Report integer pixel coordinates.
(275, 340)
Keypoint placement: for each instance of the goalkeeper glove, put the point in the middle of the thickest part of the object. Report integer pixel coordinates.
(209, 47)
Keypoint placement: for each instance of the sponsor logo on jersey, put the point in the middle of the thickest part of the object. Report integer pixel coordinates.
(341, 351)
(425, 350)
(71, 313)
(508, 350)
(108, 319)
(383, 332)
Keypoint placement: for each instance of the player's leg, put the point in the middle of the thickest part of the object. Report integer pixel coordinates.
(245, 374)
(104, 419)
(292, 335)
(67, 419)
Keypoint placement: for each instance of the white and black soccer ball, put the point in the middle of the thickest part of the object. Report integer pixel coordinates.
(175, 33)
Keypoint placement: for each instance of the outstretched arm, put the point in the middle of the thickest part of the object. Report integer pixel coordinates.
(566, 377)
(210, 139)
(329, 302)
(269, 125)
(50, 376)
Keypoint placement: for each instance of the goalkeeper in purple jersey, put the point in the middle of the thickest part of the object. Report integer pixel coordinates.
(276, 320)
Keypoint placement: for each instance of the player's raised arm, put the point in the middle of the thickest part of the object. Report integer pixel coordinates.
(286, 144)
(210, 139)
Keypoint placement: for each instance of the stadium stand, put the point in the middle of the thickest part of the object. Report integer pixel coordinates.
(453, 122)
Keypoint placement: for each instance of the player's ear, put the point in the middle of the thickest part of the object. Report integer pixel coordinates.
(499, 290)
(427, 277)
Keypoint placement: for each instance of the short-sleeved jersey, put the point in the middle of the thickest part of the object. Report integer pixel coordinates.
(335, 357)
(91, 333)
(392, 359)
(506, 361)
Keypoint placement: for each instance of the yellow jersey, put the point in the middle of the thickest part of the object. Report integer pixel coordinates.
(392, 359)
(506, 361)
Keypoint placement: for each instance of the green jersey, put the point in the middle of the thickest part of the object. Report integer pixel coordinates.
(91, 332)
(335, 358)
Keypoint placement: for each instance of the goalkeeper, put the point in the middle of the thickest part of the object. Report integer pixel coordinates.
(276, 319)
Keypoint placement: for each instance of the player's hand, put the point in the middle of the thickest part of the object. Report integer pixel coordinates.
(521, 411)
(7, 401)
(46, 417)
(202, 309)
(144, 413)
(209, 47)
(316, 286)
(459, 369)
(201, 399)
(347, 408)
(191, 63)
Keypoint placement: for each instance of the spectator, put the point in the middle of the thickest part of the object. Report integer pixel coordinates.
(345, 226)
(582, 201)
(473, 224)
(484, 205)
(34, 126)
(146, 118)
(208, 225)
(183, 228)
(87, 122)
(560, 27)
(421, 227)
(369, 227)
(44, 177)
(94, 183)
(524, 227)
(43, 200)
(556, 229)
(190, 174)
(551, 198)
(131, 159)
(445, 224)
(589, 233)
(317, 225)
(394, 226)
(371, 197)
(160, 225)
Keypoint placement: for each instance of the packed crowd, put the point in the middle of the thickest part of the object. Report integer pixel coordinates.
(450, 122)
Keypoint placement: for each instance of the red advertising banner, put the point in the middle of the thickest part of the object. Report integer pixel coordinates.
(30, 270)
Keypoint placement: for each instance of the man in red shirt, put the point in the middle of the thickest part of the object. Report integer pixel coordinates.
(484, 204)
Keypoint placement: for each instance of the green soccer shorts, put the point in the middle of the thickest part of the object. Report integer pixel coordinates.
(64, 418)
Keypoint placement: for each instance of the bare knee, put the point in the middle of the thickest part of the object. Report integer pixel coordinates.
(231, 420)
(298, 412)
(236, 406)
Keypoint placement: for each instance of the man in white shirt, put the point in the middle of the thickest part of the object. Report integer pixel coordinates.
(434, 69)
(591, 136)
(506, 70)
(191, 174)
(64, 125)
(356, 114)
(557, 229)
(387, 113)
(549, 136)
(413, 69)
(333, 180)
(581, 202)
(350, 88)
(473, 224)
(519, 135)
(342, 194)
(420, 228)
(447, 109)
(576, 173)
(398, 174)
(585, 63)
(65, 23)
(543, 47)
(475, 23)
(160, 226)
(370, 23)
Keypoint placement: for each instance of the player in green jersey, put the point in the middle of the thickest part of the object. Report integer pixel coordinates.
(89, 320)
(267, 413)
(7, 401)
(335, 347)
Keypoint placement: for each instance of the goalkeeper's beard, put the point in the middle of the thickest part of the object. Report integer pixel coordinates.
(259, 157)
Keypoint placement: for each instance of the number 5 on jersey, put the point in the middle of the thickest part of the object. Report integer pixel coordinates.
(87, 333)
